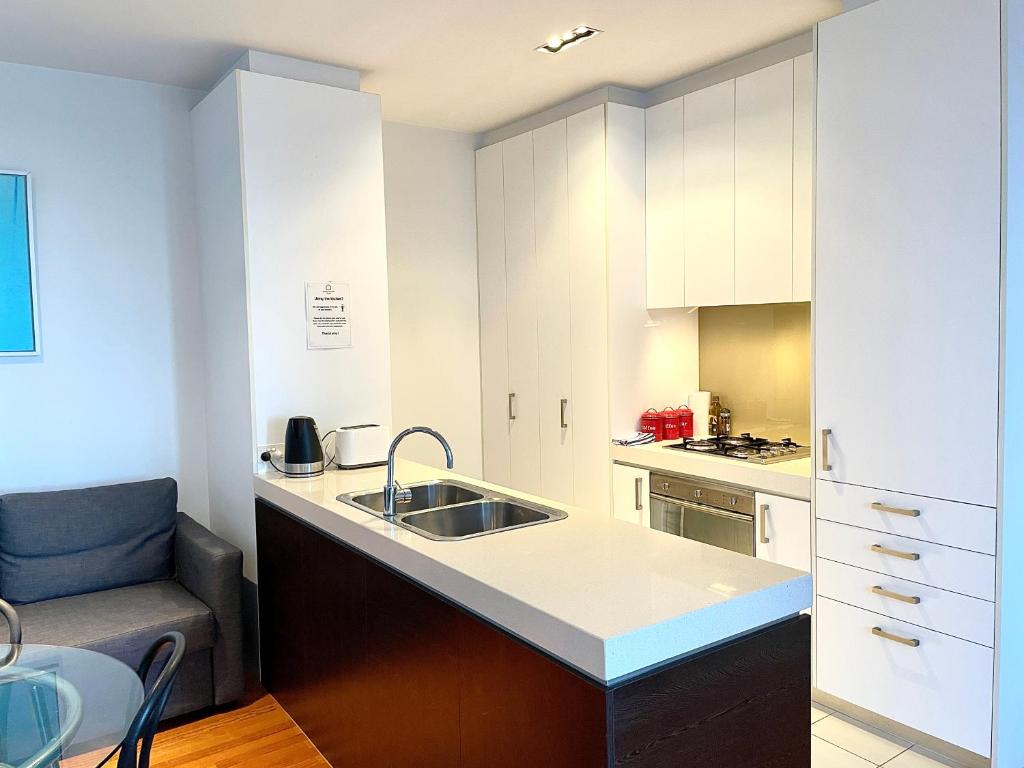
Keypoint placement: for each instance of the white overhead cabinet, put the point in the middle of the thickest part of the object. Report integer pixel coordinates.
(764, 185)
(729, 179)
(709, 123)
(906, 362)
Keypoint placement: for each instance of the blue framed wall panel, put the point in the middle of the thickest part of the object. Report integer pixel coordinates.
(19, 316)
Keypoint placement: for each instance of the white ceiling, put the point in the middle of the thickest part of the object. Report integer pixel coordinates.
(468, 65)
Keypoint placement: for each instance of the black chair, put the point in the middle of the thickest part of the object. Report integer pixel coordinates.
(135, 748)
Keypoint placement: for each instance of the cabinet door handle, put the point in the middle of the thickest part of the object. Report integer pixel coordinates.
(880, 507)
(825, 434)
(763, 510)
(894, 552)
(562, 406)
(638, 493)
(879, 632)
(912, 599)
(511, 406)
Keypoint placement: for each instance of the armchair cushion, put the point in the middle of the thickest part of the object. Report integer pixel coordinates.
(62, 543)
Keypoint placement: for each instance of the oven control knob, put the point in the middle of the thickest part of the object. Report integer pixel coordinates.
(698, 493)
(665, 486)
(733, 501)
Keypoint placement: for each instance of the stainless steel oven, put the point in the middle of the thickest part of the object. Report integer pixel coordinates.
(696, 509)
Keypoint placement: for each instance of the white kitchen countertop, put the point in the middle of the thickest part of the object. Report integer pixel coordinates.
(785, 478)
(607, 597)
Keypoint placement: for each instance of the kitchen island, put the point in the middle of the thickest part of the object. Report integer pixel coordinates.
(578, 642)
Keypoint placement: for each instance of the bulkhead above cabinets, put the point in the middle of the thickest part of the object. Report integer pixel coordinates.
(729, 191)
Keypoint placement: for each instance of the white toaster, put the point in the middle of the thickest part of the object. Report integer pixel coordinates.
(361, 445)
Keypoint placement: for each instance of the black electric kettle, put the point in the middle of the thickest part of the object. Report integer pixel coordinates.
(303, 456)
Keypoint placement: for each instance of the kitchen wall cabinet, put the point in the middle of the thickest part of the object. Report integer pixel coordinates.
(631, 494)
(908, 240)
(764, 186)
(803, 176)
(551, 215)
(729, 191)
(906, 330)
(494, 383)
(783, 531)
(709, 128)
(666, 284)
(521, 292)
(567, 362)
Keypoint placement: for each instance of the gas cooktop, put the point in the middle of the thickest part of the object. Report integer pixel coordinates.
(745, 447)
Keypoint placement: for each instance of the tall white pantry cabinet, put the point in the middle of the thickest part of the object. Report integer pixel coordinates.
(916, 580)
(567, 358)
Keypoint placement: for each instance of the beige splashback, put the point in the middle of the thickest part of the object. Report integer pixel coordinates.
(758, 359)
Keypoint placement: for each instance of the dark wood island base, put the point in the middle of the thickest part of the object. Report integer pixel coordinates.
(380, 671)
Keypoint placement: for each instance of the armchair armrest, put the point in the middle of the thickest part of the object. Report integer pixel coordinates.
(211, 569)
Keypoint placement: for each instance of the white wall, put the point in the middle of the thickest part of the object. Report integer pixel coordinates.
(429, 188)
(117, 392)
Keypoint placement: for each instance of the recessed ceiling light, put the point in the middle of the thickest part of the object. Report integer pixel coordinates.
(568, 39)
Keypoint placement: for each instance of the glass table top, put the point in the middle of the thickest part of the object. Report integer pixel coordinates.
(76, 699)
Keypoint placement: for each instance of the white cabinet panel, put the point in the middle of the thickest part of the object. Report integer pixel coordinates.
(588, 299)
(783, 528)
(969, 573)
(551, 206)
(631, 493)
(953, 614)
(764, 185)
(943, 522)
(708, 135)
(494, 385)
(665, 182)
(908, 247)
(523, 308)
(942, 686)
(803, 175)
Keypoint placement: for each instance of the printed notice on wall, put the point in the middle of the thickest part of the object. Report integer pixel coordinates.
(328, 315)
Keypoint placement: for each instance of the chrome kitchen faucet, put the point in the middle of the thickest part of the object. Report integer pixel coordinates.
(392, 491)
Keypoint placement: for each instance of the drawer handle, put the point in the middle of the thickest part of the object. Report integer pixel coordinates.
(894, 552)
(562, 404)
(912, 599)
(879, 632)
(638, 490)
(511, 406)
(880, 507)
(764, 514)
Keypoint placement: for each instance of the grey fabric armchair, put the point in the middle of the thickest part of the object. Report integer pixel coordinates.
(115, 567)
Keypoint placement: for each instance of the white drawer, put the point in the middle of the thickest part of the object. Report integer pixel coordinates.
(942, 687)
(944, 522)
(947, 612)
(956, 570)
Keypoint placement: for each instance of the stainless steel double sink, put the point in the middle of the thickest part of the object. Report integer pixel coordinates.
(449, 510)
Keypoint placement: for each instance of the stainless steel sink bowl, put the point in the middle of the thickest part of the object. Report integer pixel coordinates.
(429, 495)
(448, 510)
(476, 519)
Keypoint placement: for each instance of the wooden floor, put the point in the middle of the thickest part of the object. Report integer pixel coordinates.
(256, 734)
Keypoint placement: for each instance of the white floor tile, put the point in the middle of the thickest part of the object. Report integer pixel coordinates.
(825, 755)
(916, 757)
(862, 740)
(819, 712)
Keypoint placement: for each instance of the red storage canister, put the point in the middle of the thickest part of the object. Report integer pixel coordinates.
(685, 421)
(671, 417)
(653, 422)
